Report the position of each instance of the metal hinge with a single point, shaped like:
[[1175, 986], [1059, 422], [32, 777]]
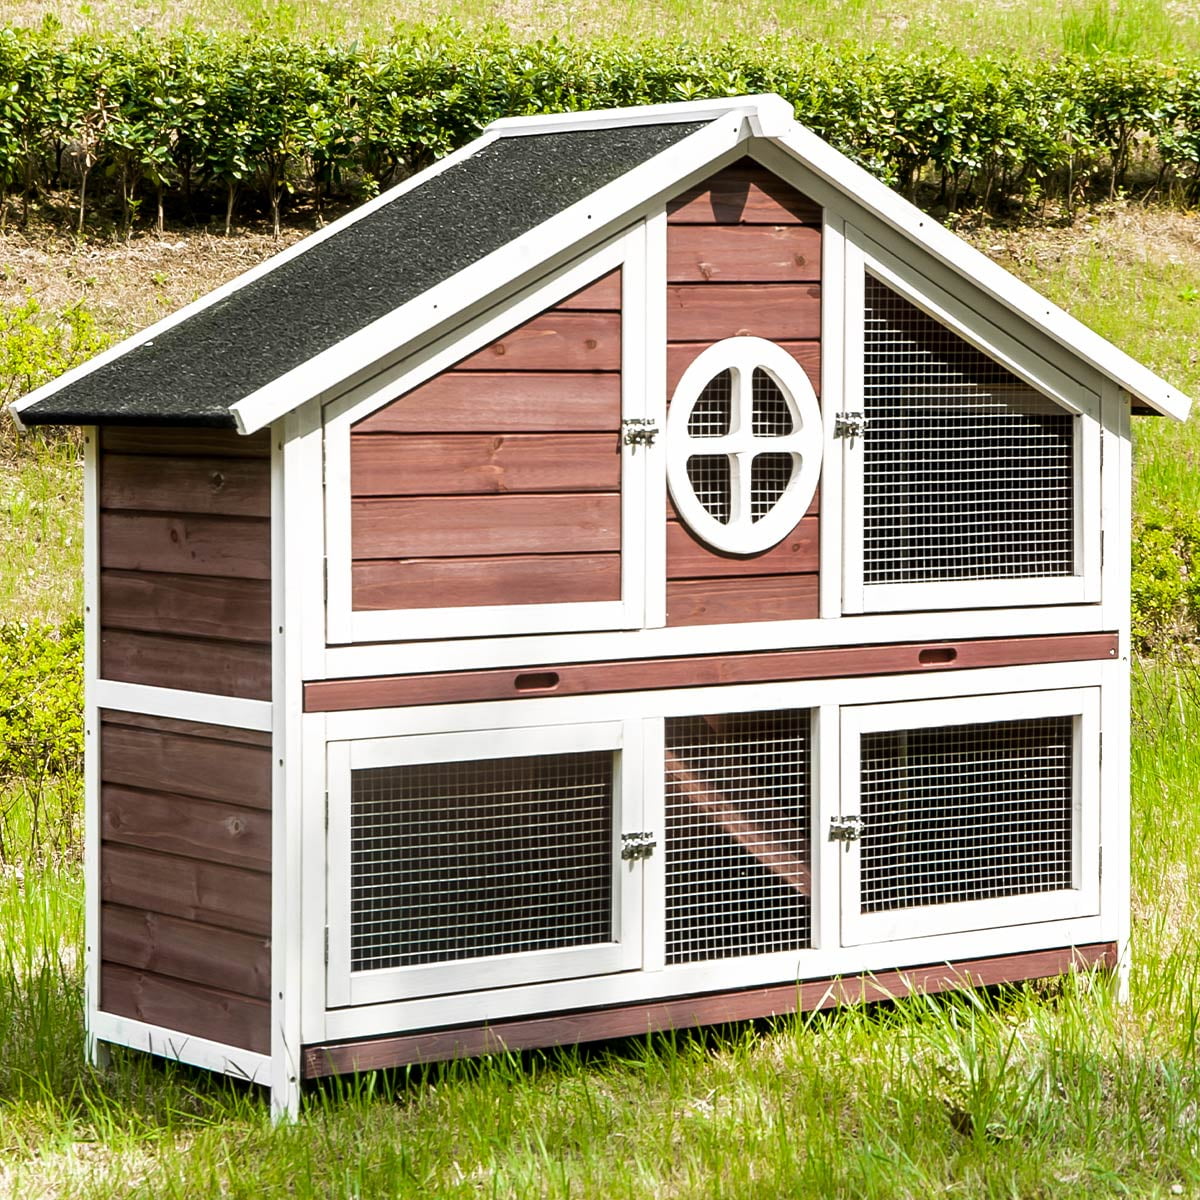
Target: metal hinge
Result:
[[845, 829], [639, 431], [849, 425], [637, 845]]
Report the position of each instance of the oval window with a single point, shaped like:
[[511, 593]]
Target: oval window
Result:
[[743, 445]]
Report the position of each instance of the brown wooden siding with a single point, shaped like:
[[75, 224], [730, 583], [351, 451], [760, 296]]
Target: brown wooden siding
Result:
[[498, 481], [743, 257], [185, 555], [185, 876]]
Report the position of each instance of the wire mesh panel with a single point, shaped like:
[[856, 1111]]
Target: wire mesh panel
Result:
[[966, 812], [771, 415], [738, 794], [462, 860], [968, 473], [712, 413]]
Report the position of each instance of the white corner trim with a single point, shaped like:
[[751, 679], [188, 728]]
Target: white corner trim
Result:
[[991, 278], [182, 1047], [232, 711], [596, 216], [255, 273], [764, 110]]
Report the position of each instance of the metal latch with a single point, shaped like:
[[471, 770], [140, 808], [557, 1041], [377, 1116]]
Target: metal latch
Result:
[[639, 431], [637, 845], [849, 425], [846, 829]]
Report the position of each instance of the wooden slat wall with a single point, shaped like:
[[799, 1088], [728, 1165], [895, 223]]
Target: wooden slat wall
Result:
[[185, 877], [498, 481], [743, 257], [185, 553]]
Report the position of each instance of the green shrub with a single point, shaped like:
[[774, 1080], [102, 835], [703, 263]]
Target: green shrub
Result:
[[1166, 583]]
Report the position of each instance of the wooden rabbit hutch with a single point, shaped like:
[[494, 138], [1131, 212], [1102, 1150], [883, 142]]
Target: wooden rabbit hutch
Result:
[[640, 572]]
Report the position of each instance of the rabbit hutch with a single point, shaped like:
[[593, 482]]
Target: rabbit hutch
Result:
[[640, 572]]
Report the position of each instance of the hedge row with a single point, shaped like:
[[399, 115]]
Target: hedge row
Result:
[[197, 121]]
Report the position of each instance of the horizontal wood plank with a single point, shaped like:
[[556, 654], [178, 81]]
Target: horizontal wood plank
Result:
[[238, 547], [602, 296], [232, 486], [465, 464], [554, 341], [708, 312], [690, 558], [186, 766], [192, 664], [220, 733], [212, 1013], [503, 402], [470, 582], [681, 355], [189, 605], [199, 829], [575, 679], [184, 443], [211, 893], [743, 254], [637, 1020], [743, 192], [747, 598], [152, 941], [450, 526]]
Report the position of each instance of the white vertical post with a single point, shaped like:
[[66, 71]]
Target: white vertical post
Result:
[[826, 804], [833, 401]]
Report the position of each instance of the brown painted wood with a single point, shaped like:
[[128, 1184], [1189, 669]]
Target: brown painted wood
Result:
[[451, 526], [184, 443], [637, 1020], [465, 464], [680, 356], [163, 483], [211, 893], [186, 766], [221, 733], [239, 547], [470, 582], [602, 296], [748, 598], [743, 254], [189, 605], [814, 506], [213, 1013], [706, 312], [151, 941], [393, 691], [503, 402], [200, 829], [192, 664], [554, 341], [689, 558], [743, 192]]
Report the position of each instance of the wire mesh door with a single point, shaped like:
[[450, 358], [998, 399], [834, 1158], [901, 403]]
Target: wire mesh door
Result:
[[968, 813], [469, 861]]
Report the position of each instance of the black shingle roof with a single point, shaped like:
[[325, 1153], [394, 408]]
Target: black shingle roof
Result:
[[191, 373]]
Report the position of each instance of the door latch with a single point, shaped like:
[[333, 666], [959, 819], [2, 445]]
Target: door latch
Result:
[[846, 829], [638, 431], [637, 845], [849, 425]]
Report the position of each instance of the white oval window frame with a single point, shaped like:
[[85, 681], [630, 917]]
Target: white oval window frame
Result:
[[741, 356]]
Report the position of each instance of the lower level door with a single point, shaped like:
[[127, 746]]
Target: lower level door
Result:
[[968, 813], [483, 859]]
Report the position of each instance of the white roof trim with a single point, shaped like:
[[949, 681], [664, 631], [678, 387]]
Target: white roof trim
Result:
[[599, 213], [143, 336], [991, 278]]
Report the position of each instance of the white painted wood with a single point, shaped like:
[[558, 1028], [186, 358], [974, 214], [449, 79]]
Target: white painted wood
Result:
[[97, 1054], [826, 896], [436, 311], [850, 458], [524, 652], [653, 820], [1083, 899], [622, 953], [314, 865], [653, 283], [233, 711], [345, 624], [179, 1047], [833, 400], [741, 532]]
